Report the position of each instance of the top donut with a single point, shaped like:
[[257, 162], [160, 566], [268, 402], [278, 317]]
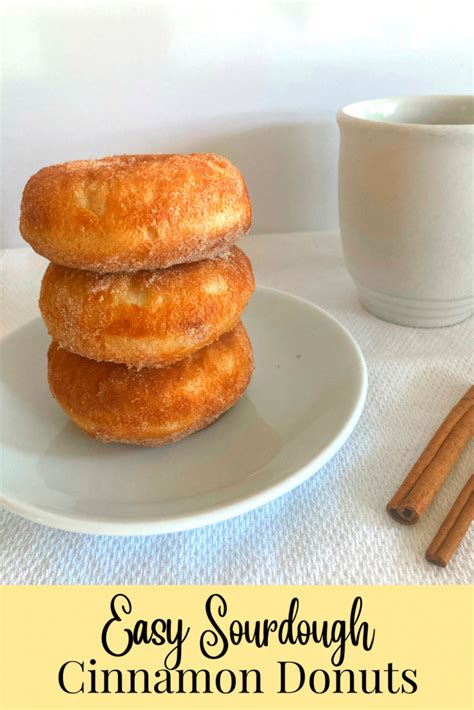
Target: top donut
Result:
[[130, 212]]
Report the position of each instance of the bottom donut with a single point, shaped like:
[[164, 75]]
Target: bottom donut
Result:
[[151, 406]]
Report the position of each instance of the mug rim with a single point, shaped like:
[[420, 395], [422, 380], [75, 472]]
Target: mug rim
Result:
[[344, 117]]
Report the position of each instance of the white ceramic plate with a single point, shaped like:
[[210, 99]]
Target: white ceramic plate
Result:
[[306, 395]]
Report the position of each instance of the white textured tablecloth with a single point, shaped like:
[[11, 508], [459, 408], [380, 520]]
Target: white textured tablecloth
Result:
[[333, 529]]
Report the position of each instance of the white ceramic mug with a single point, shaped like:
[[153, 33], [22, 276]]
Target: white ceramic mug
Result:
[[406, 206]]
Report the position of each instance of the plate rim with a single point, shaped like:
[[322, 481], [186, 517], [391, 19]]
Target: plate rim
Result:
[[219, 512]]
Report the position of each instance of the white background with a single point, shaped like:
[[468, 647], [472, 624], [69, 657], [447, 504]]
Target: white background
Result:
[[259, 82]]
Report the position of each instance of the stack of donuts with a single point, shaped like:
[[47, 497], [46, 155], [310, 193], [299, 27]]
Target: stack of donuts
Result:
[[144, 291]]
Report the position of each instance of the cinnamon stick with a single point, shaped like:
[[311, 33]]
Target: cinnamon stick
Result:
[[453, 529], [432, 468]]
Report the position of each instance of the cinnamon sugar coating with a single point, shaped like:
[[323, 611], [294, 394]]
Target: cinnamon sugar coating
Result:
[[146, 318], [131, 212], [151, 406]]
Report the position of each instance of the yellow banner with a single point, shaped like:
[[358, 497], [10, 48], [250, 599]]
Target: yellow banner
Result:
[[236, 647]]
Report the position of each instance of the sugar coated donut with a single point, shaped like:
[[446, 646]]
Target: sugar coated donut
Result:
[[151, 406], [130, 212], [146, 317]]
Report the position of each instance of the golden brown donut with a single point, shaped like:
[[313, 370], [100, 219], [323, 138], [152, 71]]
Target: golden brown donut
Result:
[[130, 212], [151, 406], [146, 317]]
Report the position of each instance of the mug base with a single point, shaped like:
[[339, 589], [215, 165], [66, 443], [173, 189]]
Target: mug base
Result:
[[415, 313]]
